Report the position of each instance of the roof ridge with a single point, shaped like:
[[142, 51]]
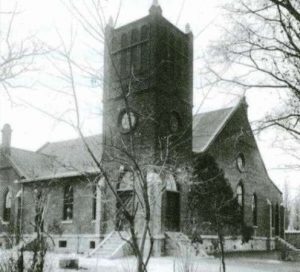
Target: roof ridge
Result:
[[65, 141], [210, 111], [224, 122]]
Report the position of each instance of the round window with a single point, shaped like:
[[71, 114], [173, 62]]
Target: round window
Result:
[[240, 162], [127, 121]]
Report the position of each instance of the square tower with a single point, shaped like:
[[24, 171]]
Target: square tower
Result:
[[148, 90]]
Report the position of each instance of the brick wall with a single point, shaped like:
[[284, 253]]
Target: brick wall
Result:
[[237, 138], [82, 222]]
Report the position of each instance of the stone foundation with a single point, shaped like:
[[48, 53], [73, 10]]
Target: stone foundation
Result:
[[210, 243]]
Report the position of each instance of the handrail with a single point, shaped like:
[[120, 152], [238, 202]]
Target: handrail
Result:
[[287, 244], [101, 244], [121, 245]]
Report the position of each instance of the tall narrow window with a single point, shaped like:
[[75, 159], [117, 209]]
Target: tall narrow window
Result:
[[254, 210], [134, 50], [68, 203], [240, 197], [277, 219], [172, 55], [114, 44], [39, 210], [94, 208], [7, 206], [273, 216], [144, 33], [144, 48], [124, 45]]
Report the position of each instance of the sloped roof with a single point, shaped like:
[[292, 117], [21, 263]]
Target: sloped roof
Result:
[[30, 164], [71, 157], [206, 126], [56, 160]]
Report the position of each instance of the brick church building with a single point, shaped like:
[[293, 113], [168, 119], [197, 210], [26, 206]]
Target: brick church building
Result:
[[148, 103]]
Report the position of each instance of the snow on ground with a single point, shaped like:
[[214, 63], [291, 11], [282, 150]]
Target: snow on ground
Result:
[[170, 264]]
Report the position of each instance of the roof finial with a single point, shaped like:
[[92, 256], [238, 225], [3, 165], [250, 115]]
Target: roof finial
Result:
[[155, 9], [111, 21], [188, 28], [155, 3]]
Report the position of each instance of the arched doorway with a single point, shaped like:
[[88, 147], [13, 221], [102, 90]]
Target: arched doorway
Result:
[[172, 205], [125, 192]]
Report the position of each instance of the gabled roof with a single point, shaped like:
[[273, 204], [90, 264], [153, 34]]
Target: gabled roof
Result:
[[207, 126], [30, 164], [71, 157], [56, 160]]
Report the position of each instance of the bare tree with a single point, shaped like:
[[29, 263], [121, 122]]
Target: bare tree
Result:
[[262, 46], [17, 54], [137, 207]]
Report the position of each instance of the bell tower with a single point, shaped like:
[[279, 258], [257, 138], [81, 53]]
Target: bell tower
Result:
[[148, 89]]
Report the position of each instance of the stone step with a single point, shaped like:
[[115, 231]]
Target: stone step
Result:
[[113, 242]]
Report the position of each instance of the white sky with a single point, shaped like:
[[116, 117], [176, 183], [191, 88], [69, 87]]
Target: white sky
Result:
[[46, 18]]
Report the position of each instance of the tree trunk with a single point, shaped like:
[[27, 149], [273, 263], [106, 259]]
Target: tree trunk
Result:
[[221, 241]]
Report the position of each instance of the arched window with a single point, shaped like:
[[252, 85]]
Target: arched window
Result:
[[144, 48], [68, 203], [39, 210], [172, 54], [240, 197], [273, 215], [134, 36], [114, 44], [178, 58], [7, 206], [277, 218], [94, 208], [124, 45], [254, 210], [126, 195], [144, 32], [134, 50]]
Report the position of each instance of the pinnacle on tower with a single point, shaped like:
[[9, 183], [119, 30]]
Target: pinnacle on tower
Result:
[[110, 21], [155, 9], [188, 28], [155, 3]]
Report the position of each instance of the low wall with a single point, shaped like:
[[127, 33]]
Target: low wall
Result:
[[293, 237], [210, 243]]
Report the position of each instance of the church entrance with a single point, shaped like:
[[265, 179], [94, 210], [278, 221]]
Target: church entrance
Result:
[[172, 218], [171, 204], [126, 197]]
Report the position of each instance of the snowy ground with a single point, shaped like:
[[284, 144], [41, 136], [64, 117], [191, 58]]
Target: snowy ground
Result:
[[171, 264]]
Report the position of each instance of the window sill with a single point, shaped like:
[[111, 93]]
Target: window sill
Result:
[[67, 221], [255, 227], [93, 221], [5, 223]]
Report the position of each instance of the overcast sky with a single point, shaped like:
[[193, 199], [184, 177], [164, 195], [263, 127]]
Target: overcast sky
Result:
[[49, 19]]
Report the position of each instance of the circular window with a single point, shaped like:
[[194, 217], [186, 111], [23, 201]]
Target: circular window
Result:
[[127, 121], [174, 122], [240, 162]]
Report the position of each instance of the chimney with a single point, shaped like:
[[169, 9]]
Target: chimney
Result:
[[6, 138]]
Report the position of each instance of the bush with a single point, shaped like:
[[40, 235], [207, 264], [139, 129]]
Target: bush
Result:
[[9, 265]]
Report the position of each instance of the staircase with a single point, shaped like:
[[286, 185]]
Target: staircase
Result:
[[179, 244], [113, 246], [288, 251]]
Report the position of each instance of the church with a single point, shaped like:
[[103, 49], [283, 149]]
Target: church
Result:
[[148, 124]]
